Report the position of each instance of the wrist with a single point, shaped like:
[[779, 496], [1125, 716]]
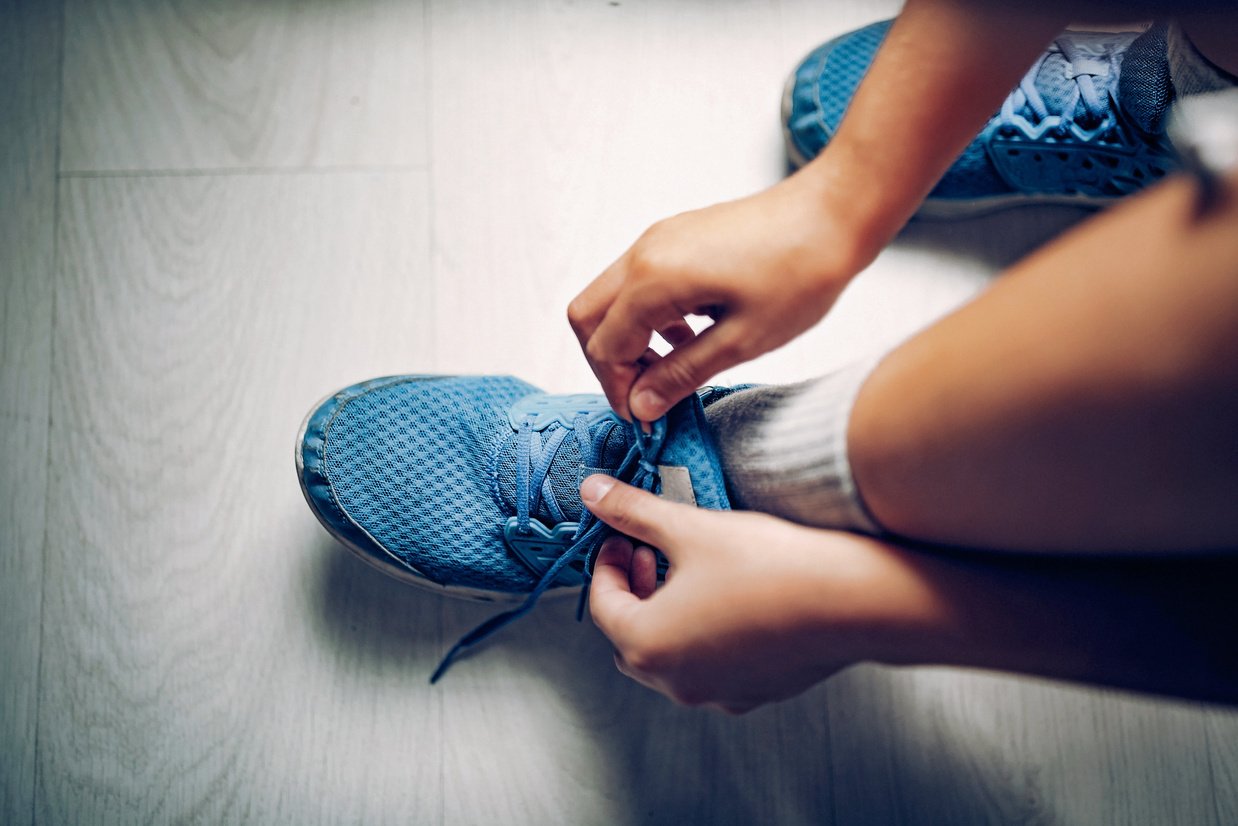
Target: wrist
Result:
[[866, 600], [828, 240], [1149, 624], [906, 619], [918, 607], [864, 217]]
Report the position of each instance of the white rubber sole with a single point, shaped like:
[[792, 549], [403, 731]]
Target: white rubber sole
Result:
[[793, 153]]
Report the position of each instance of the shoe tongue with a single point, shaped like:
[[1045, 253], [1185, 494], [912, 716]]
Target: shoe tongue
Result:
[[688, 461], [1078, 54], [1144, 88], [567, 469]]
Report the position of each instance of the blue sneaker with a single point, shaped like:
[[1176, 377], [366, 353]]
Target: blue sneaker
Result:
[[1083, 127], [469, 485]]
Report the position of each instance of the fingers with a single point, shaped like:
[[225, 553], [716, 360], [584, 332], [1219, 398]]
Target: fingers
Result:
[[610, 594], [618, 368], [624, 568], [625, 330], [677, 333], [586, 311], [584, 314], [623, 336], [643, 574], [612, 603], [617, 381], [614, 320], [639, 514], [680, 372]]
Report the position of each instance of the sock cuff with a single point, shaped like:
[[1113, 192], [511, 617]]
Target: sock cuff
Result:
[[785, 451]]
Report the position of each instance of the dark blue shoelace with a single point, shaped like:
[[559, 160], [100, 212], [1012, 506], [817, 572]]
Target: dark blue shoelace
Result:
[[533, 461]]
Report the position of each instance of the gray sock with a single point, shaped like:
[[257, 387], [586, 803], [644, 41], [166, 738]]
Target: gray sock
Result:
[[784, 449]]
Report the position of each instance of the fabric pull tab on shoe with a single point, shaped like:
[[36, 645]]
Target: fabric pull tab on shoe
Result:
[[676, 484]]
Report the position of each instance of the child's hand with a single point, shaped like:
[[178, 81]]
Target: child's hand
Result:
[[755, 609], [765, 268]]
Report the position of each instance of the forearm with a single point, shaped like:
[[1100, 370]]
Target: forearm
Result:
[[941, 73], [1163, 626], [1087, 400]]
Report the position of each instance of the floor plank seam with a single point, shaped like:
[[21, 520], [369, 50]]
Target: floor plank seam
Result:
[[53, 173], [1212, 775], [432, 257], [427, 24]]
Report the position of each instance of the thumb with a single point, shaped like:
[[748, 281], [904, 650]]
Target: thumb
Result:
[[684, 369], [638, 513]]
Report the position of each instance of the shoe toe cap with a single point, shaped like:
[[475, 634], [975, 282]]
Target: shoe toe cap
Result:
[[823, 84], [399, 469]]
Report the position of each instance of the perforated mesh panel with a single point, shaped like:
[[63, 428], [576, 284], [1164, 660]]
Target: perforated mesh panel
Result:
[[1144, 86], [690, 445], [844, 67], [825, 82], [412, 463]]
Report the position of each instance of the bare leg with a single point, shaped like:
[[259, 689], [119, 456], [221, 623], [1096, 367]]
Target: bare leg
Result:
[[1087, 401]]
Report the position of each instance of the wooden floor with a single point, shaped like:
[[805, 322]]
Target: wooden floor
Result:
[[213, 213]]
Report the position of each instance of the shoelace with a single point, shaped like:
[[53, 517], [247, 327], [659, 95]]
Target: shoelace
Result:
[[533, 460], [1084, 66]]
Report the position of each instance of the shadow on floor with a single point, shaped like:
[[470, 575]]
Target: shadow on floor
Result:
[[996, 240], [370, 617], [660, 763]]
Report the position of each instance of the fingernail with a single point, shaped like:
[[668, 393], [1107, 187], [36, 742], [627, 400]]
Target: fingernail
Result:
[[595, 487], [650, 403]]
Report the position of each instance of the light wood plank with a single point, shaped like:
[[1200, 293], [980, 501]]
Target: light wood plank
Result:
[[1221, 728], [939, 746], [1111, 757], [30, 99], [23, 492], [167, 85], [925, 747], [211, 655], [540, 727]]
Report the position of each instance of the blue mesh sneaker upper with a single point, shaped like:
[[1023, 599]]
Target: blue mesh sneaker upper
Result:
[[1082, 127], [470, 484]]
